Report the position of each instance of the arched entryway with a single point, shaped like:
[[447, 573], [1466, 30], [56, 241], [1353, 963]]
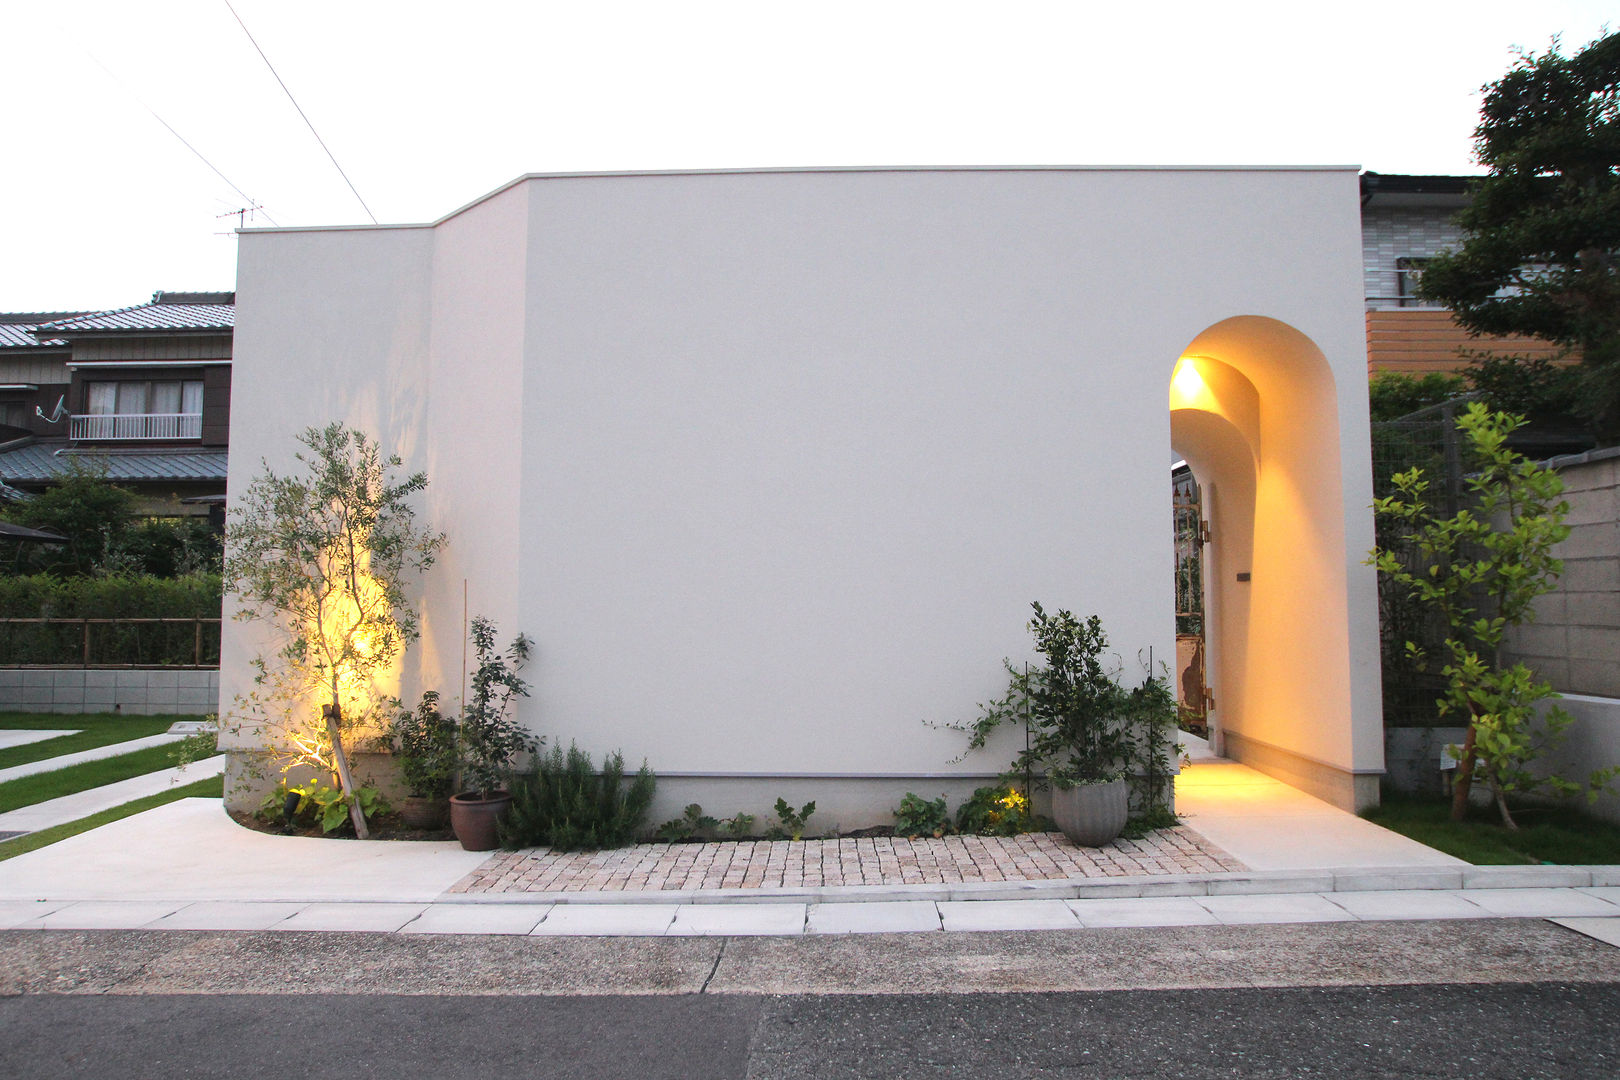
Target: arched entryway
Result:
[[1254, 413]]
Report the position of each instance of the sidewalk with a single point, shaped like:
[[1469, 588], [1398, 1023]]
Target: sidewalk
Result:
[[187, 866]]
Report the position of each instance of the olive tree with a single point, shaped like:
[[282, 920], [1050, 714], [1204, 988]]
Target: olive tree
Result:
[[324, 555]]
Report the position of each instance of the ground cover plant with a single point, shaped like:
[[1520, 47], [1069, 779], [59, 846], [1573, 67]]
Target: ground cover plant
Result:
[[211, 788], [93, 730], [1544, 835]]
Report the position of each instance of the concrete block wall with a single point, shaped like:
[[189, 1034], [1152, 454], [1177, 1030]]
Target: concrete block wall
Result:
[[1574, 642], [137, 692], [1392, 232]]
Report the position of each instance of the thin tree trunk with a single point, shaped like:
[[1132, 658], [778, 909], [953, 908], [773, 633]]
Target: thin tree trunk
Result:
[[1501, 804], [339, 755], [1464, 781]]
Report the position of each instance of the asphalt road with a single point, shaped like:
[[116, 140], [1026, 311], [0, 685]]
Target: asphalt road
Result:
[[1476, 999], [1482, 1032]]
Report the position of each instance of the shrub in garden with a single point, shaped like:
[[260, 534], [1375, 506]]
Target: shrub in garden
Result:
[[563, 803]]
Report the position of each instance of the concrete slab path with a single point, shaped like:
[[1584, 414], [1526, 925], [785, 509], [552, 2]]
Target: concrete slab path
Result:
[[1267, 825], [10, 737], [26, 819], [33, 768]]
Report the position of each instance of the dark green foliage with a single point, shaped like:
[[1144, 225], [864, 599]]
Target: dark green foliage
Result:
[[1542, 232], [790, 822], [82, 507], [1544, 393], [490, 739], [738, 827], [169, 547], [918, 816], [43, 596], [996, 810], [693, 824], [1392, 395], [563, 803], [425, 749], [1083, 726], [319, 804]]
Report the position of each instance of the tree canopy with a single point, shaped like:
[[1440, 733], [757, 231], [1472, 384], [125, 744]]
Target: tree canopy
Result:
[[1542, 232]]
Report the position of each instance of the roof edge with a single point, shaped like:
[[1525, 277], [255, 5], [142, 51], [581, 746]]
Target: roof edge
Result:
[[805, 169]]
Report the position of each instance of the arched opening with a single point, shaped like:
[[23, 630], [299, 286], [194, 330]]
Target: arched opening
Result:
[[1255, 415]]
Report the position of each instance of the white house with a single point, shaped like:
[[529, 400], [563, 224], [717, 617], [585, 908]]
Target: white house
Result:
[[770, 464]]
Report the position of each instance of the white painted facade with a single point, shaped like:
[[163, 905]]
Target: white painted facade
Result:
[[771, 464]]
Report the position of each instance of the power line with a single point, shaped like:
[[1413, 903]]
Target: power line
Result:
[[170, 128], [295, 105]]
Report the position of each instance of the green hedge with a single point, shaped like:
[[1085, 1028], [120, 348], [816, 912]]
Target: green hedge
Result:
[[42, 596]]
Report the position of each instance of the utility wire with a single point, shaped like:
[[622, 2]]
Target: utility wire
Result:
[[170, 127], [295, 105]]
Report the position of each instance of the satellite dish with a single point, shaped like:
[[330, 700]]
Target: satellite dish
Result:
[[56, 416]]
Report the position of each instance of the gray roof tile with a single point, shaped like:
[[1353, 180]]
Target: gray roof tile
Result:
[[46, 460], [152, 317]]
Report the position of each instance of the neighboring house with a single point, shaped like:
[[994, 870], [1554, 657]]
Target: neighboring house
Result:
[[1405, 220], [770, 464], [142, 394]]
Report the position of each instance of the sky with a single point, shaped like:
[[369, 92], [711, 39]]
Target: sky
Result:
[[427, 106]]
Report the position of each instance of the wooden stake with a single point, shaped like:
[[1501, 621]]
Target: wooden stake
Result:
[[331, 714]]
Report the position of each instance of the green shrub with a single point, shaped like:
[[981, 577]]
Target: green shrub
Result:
[[563, 803], [42, 596], [998, 810], [918, 816]]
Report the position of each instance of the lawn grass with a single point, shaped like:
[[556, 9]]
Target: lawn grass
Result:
[[94, 729], [28, 790], [211, 788], [1545, 835]]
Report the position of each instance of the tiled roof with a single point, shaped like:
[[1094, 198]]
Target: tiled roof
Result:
[[20, 336], [152, 317], [46, 460]]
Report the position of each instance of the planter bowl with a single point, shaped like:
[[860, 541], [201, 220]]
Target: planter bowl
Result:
[[1092, 815], [473, 818], [422, 813]]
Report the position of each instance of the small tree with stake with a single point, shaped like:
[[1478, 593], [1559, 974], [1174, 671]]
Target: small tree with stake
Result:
[[1482, 569], [324, 555]]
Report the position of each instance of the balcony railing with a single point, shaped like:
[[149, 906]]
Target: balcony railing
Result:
[[137, 426]]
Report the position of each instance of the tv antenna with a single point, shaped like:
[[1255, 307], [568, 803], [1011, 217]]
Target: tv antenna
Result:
[[55, 417], [241, 214]]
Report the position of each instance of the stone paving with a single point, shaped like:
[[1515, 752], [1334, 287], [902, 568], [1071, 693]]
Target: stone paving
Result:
[[761, 864]]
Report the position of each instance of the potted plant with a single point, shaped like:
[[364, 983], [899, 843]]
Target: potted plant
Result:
[[424, 745], [1081, 722], [489, 739]]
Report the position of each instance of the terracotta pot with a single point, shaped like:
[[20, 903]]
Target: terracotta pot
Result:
[[1091, 815], [473, 818], [426, 814]]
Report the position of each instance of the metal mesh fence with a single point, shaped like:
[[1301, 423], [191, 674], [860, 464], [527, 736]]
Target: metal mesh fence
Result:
[[1428, 440]]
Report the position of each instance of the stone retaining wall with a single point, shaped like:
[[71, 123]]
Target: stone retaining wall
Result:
[[138, 692]]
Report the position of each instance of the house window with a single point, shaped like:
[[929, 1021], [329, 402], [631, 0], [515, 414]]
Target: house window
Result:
[[143, 397], [1408, 268], [141, 409]]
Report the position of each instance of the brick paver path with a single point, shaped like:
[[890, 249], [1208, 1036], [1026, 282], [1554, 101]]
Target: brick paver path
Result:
[[763, 864]]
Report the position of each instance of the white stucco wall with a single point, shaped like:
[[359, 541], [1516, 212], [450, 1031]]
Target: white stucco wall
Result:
[[771, 464]]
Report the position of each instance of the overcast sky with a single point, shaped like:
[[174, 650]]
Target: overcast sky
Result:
[[428, 105]]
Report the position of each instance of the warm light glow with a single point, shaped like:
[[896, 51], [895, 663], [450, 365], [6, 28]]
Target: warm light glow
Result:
[[1187, 383]]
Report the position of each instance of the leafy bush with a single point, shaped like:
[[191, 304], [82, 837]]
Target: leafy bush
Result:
[[43, 596], [424, 745], [318, 803], [918, 816], [790, 822], [693, 824], [563, 803], [997, 810], [490, 739]]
